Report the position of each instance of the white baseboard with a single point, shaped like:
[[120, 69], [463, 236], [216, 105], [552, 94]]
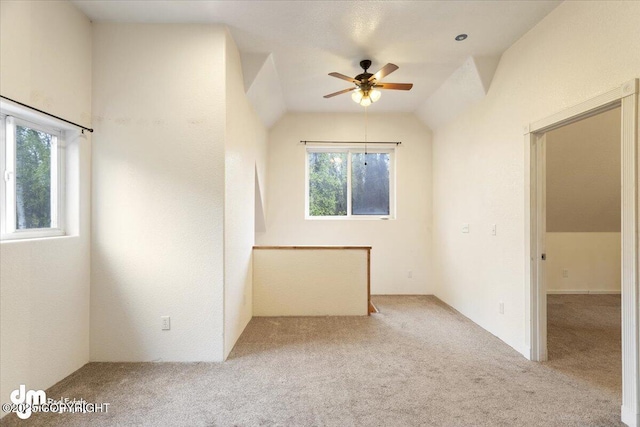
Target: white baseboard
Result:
[[581, 292], [629, 417]]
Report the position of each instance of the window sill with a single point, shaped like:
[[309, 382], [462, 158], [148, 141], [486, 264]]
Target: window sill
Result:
[[350, 218], [32, 235]]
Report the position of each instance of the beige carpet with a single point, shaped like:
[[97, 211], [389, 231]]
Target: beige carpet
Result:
[[585, 340], [417, 363]]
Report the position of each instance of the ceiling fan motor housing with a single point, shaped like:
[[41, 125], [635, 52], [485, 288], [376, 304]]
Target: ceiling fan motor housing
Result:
[[364, 77]]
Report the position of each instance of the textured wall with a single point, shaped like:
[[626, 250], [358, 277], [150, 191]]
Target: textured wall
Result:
[[580, 50], [158, 192], [307, 282], [592, 262], [44, 283], [245, 140], [583, 175], [399, 245]]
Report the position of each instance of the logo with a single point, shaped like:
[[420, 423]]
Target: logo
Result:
[[25, 400]]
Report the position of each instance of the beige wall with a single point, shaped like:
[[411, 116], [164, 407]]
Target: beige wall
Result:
[[399, 245], [174, 182], [158, 191], [45, 61], [310, 282], [245, 153], [583, 206], [580, 50], [583, 262], [583, 175]]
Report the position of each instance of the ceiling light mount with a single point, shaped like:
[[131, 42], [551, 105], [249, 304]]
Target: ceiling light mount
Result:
[[461, 37]]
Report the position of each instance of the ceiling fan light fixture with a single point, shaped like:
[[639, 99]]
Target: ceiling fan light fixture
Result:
[[375, 95], [357, 96], [366, 101]]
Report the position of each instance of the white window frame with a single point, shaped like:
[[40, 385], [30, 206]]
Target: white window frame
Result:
[[388, 149], [8, 230]]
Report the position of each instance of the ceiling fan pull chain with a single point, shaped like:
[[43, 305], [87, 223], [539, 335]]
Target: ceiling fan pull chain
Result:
[[366, 121]]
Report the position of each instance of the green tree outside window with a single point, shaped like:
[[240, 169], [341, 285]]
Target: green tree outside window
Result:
[[33, 178]]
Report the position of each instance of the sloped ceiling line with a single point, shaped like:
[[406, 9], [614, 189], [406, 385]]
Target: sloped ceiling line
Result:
[[462, 89], [262, 85]]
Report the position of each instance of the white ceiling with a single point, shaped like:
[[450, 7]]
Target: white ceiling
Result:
[[309, 39]]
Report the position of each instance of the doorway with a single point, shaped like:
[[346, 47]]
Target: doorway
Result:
[[625, 97], [583, 251]]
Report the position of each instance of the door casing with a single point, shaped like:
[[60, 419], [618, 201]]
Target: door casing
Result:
[[626, 97]]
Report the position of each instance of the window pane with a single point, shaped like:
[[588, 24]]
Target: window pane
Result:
[[370, 184], [327, 184], [33, 178]]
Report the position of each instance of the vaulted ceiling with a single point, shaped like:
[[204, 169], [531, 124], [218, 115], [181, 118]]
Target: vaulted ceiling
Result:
[[289, 47]]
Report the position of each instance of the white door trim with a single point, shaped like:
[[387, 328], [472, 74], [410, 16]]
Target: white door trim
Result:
[[625, 96]]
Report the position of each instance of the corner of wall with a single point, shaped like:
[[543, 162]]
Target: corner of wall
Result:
[[245, 141]]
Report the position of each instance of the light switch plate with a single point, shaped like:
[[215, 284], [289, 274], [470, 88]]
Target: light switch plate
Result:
[[166, 323]]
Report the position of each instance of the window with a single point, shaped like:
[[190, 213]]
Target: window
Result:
[[31, 201], [347, 183]]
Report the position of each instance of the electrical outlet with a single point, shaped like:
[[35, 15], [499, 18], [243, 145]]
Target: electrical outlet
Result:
[[565, 273], [410, 274], [166, 323], [501, 307]]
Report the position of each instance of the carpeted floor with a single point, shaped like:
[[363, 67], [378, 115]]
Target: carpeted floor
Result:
[[418, 362], [585, 340]]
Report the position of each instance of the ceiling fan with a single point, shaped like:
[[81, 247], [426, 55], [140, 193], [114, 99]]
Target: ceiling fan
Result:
[[366, 84]]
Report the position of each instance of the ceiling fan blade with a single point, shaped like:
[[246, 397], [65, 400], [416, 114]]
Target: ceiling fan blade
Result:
[[394, 86], [384, 71], [331, 95], [343, 77]]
